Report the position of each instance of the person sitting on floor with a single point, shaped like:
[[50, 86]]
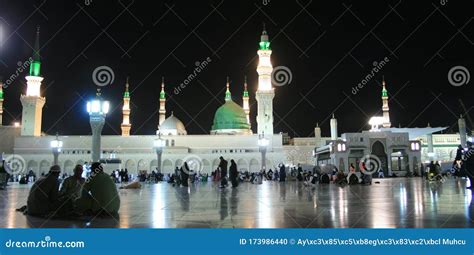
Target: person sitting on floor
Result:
[[43, 196], [99, 193], [72, 186]]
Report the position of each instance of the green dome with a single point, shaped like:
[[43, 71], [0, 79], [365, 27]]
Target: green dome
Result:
[[230, 116]]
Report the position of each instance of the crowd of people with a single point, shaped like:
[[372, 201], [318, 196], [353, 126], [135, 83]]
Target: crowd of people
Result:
[[95, 192], [76, 196]]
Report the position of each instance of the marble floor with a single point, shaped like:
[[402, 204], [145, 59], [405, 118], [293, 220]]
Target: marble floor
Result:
[[391, 203]]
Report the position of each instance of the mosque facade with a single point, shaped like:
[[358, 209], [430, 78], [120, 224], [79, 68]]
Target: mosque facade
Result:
[[230, 136]]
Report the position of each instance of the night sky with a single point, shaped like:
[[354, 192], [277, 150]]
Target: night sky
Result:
[[329, 46]]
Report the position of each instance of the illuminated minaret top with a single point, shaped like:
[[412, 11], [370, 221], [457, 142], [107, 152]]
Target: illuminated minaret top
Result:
[[385, 110], [228, 95], [34, 78], [162, 110], [264, 67], [126, 126], [245, 99], [265, 92], [32, 102]]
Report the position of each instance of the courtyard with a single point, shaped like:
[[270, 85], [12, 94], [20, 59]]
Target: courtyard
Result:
[[388, 203]]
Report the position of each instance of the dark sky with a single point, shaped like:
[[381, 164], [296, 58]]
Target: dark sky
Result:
[[329, 46]]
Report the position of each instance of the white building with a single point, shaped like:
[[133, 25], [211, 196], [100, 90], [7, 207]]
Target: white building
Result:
[[230, 136]]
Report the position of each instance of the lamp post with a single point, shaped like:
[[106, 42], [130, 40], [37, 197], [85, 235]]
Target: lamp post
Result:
[[56, 146], [97, 109], [262, 145], [158, 144]]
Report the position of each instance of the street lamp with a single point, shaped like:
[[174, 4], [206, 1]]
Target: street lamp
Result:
[[97, 109], [56, 146], [262, 145], [158, 144]]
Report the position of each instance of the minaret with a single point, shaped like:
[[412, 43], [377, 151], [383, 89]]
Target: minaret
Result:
[[228, 95], [333, 124], [317, 135], [265, 92], [245, 99], [126, 126], [386, 115], [32, 102], [162, 103], [1, 103]]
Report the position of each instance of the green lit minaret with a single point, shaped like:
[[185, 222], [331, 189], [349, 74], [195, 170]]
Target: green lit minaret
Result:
[[162, 110], [386, 114], [264, 43], [126, 125], [32, 102], [35, 66], [228, 96], [245, 100]]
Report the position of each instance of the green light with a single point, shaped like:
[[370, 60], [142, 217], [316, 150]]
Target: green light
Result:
[[264, 45], [126, 94], [35, 67], [246, 93], [1, 93], [162, 94], [384, 93]]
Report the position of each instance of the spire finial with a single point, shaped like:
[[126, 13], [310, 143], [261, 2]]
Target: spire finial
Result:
[[317, 124], [227, 92], [98, 92], [162, 92], [264, 42], [333, 116], [246, 93], [126, 94], [428, 125], [35, 65]]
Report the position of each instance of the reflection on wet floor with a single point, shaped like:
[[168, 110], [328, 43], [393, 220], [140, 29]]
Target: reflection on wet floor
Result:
[[394, 203]]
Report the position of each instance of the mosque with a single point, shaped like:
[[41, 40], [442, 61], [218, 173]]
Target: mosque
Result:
[[230, 136]]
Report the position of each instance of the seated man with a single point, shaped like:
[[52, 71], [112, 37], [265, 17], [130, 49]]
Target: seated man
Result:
[[99, 193], [43, 197], [72, 185]]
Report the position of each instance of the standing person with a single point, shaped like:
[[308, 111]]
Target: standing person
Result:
[[99, 193], [223, 171], [282, 173], [185, 174], [43, 197], [233, 174], [469, 161]]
